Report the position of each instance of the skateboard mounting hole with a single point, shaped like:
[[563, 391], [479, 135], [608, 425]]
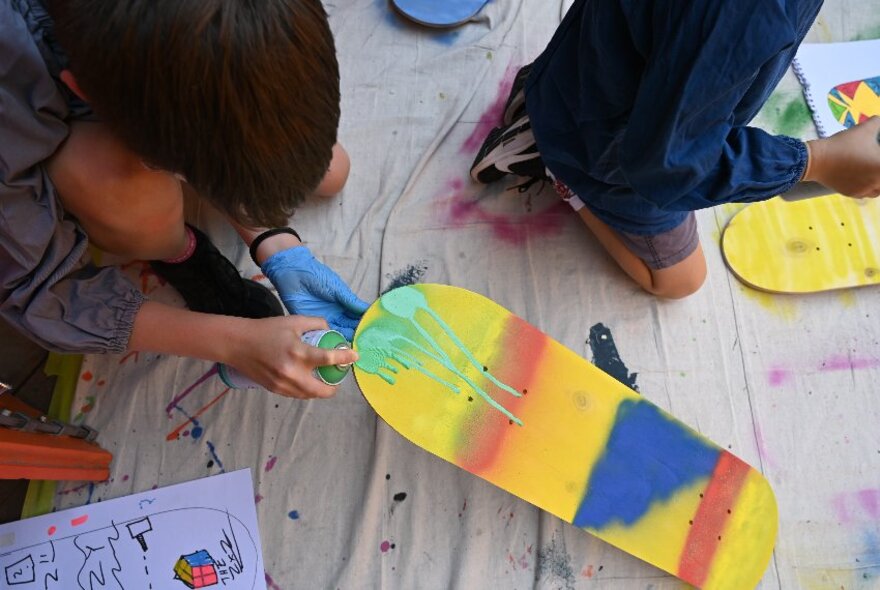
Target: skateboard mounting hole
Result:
[[470, 398], [485, 369], [810, 227], [870, 272], [525, 391], [818, 248]]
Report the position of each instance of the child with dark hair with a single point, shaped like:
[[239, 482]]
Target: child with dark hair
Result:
[[110, 112], [638, 112]]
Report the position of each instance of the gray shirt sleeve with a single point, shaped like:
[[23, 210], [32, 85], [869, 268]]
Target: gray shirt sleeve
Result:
[[48, 289]]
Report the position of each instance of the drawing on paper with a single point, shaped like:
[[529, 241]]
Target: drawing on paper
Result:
[[201, 534], [855, 102], [196, 570]]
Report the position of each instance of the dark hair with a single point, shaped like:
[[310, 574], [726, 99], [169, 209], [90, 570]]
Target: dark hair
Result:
[[239, 96]]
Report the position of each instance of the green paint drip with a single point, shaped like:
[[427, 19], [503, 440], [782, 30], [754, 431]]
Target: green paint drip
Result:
[[404, 303], [389, 339]]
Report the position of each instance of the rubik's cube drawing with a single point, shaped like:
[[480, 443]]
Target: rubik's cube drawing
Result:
[[855, 102], [196, 570]]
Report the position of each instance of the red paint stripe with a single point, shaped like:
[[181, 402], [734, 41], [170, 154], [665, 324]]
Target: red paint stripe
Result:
[[521, 348], [714, 511], [79, 520]]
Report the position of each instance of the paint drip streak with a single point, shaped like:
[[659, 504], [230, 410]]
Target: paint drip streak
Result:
[[192, 419], [712, 515]]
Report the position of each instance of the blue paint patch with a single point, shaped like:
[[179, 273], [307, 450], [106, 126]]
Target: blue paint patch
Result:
[[293, 515], [647, 459], [216, 458], [197, 432], [869, 560]]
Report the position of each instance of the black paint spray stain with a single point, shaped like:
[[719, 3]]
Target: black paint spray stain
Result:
[[606, 357], [554, 562], [410, 275]]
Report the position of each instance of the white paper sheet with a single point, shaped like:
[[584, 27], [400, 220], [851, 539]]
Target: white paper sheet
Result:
[[199, 534]]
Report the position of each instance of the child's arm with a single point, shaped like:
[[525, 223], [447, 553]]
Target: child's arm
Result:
[[848, 162], [687, 145], [269, 351]]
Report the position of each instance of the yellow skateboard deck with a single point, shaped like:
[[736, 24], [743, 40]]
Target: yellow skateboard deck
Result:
[[805, 246], [466, 380]]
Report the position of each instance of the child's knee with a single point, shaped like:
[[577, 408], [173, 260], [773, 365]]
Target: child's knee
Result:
[[683, 288], [682, 279]]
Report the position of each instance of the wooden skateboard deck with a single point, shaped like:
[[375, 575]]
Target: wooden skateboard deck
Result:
[[439, 13], [805, 246], [463, 378]]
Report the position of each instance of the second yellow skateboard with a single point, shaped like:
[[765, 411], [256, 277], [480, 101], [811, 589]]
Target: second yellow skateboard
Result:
[[805, 246]]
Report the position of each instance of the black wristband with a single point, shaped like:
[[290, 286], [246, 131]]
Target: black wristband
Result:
[[268, 234]]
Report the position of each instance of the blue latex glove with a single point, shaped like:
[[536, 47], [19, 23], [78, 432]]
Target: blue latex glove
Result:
[[308, 287]]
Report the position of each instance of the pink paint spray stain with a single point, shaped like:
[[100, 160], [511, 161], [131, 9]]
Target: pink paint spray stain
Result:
[[464, 208], [386, 546], [270, 464], [492, 116]]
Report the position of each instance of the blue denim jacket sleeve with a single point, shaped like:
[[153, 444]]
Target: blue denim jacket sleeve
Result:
[[686, 145], [642, 107], [48, 290]]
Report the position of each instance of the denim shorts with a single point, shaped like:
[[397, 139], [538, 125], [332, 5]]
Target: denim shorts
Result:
[[664, 249]]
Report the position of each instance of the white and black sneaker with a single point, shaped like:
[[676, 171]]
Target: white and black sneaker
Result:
[[509, 150]]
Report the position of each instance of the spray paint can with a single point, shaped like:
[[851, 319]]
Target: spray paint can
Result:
[[329, 374]]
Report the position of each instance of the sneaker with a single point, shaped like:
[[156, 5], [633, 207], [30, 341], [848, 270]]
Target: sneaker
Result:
[[515, 107], [210, 283], [509, 150]]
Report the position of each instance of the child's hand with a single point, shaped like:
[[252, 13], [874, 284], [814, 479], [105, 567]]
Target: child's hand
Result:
[[848, 162], [273, 355], [308, 287]]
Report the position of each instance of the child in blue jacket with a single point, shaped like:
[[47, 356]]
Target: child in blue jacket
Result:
[[638, 112]]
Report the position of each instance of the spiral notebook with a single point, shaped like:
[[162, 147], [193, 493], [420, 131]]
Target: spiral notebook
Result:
[[841, 82]]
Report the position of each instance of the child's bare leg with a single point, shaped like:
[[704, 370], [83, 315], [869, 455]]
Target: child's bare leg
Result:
[[674, 282], [337, 173], [125, 208]]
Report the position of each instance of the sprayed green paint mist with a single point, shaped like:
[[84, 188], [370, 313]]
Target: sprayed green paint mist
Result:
[[786, 115], [399, 337]]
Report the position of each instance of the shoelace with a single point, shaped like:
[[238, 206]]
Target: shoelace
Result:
[[527, 184]]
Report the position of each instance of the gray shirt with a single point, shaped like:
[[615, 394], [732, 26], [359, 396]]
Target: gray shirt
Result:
[[49, 290]]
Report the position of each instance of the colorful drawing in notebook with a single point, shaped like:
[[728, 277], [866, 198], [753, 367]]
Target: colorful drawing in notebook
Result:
[[587, 448], [855, 102]]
